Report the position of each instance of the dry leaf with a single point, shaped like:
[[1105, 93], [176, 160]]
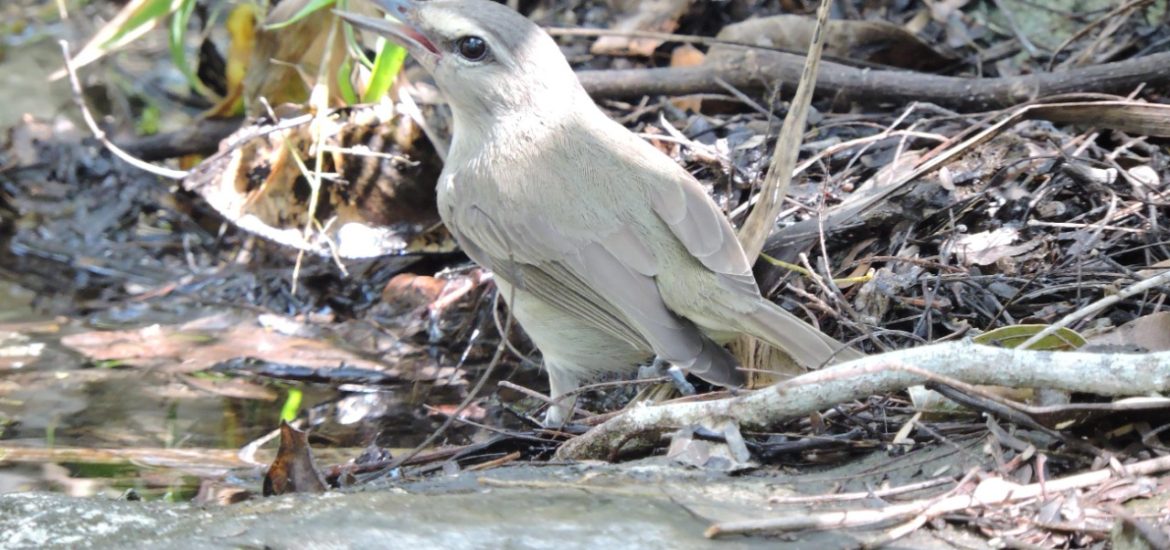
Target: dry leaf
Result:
[[686, 55], [1150, 332], [730, 455], [293, 470], [377, 187]]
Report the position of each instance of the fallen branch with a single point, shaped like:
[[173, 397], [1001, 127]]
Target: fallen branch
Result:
[[642, 427], [756, 69]]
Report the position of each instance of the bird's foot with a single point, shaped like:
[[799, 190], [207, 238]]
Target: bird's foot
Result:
[[661, 368]]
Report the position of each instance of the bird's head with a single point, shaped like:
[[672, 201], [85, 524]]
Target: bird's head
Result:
[[490, 62]]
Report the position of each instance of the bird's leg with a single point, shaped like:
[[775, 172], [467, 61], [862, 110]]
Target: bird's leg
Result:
[[561, 381], [660, 368]]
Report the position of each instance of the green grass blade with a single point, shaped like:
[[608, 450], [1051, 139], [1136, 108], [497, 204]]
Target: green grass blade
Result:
[[345, 83], [292, 405], [176, 40], [148, 12], [387, 65]]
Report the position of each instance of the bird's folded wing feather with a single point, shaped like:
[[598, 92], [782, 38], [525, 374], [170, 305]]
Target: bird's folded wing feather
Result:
[[702, 228], [607, 280]]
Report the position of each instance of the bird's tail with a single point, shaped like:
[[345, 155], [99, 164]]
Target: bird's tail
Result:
[[717, 366], [808, 346]]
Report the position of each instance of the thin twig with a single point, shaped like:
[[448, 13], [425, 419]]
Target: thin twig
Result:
[[880, 493], [99, 134]]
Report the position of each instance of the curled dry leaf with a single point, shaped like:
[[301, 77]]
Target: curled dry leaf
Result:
[[377, 184], [408, 291], [728, 455], [288, 52], [1157, 268], [687, 55], [293, 470]]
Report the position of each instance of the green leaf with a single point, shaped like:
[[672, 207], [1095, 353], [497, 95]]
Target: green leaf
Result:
[[387, 65], [1010, 337], [306, 11]]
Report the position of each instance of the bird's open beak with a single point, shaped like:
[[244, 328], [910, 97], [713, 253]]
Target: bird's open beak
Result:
[[404, 29]]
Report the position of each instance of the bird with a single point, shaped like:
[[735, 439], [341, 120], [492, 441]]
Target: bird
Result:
[[608, 252]]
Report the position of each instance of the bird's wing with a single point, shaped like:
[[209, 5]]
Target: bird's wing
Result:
[[698, 224], [680, 201], [548, 280], [607, 280]]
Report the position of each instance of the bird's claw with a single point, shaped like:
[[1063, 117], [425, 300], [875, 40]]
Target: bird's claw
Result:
[[660, 368]]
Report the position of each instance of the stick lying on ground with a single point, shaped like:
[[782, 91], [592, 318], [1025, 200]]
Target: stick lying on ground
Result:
[[1100, 374], [751, 69], [754, 69]]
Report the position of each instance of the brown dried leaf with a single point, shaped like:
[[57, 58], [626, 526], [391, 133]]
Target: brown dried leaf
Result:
[[235, 388], [408, 291], [686, 55], [1157, 268], [293, 470], [1137, 117], [286, 60], [1150, 332], [220, 493], [381, 200]]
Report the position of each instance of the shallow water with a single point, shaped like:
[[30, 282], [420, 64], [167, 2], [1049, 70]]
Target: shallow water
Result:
[[59, 409]]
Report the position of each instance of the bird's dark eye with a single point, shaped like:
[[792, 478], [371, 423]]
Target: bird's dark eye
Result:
[[471, 48]]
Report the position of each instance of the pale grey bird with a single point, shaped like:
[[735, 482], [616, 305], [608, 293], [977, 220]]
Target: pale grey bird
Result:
[[611, 252]]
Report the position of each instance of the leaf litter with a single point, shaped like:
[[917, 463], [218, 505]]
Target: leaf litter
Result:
[[1027, 225]]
